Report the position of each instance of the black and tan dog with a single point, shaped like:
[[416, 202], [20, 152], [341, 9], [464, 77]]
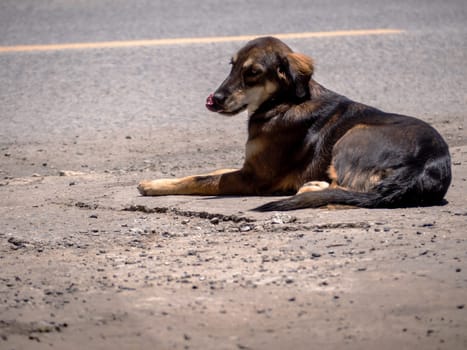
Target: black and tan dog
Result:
[[305, 139]]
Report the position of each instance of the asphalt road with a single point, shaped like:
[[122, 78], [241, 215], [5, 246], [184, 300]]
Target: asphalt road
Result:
[[85, 260], [99, 94]]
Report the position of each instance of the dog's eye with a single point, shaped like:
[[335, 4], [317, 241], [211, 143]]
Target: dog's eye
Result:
[[253, 72]]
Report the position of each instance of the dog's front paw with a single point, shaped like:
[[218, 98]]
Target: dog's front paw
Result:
[[160, 187], [144, 187]]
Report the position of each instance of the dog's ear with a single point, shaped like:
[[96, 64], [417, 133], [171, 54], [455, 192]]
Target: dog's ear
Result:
[[300, 69]]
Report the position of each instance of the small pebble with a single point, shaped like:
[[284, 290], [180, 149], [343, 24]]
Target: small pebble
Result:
[[245, 228]]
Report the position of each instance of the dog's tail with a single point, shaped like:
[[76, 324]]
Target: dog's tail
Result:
[[402, 189], [325, 197]]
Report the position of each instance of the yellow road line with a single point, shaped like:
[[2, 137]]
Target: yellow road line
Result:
[[192, 41]]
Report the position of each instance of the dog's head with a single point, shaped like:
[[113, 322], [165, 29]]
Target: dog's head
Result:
[[263, 70]]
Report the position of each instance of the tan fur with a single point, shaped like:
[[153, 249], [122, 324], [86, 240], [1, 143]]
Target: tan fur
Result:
[[332, 173], [185, 185], [254, 148], [313, 186], [301, 64], [256, 96], [248, 63]]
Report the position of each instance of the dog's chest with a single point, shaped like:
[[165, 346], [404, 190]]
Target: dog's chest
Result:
[[254, 148]]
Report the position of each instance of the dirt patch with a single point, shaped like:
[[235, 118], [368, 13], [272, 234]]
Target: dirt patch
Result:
[[85, 260]]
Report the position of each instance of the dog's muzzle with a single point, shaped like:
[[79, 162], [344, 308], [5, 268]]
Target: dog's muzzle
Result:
[[213, 104], [210, 103]]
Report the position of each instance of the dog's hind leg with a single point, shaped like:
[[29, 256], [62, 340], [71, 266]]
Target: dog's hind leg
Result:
[[313, 186]]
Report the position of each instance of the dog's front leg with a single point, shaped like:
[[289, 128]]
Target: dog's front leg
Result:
[[220, 182]]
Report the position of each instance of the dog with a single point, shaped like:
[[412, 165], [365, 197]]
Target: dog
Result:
[[307, 141]]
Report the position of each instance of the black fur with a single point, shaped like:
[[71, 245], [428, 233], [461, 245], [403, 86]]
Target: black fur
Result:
[[408, 156]]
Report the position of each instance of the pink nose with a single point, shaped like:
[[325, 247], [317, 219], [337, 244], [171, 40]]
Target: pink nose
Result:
[[210, 101], [211, 104]]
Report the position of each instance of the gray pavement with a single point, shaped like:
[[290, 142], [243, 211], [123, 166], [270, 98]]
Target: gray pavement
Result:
[[85, 261]]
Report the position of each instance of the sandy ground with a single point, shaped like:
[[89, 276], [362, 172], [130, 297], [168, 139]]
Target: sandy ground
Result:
[[87, 262]]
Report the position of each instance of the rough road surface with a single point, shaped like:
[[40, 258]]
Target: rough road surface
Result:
[[85, 262]]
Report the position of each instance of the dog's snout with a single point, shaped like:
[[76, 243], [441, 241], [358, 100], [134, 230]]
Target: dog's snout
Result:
[[215, 101], [210, 101], [219, 98], [212, 104]]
